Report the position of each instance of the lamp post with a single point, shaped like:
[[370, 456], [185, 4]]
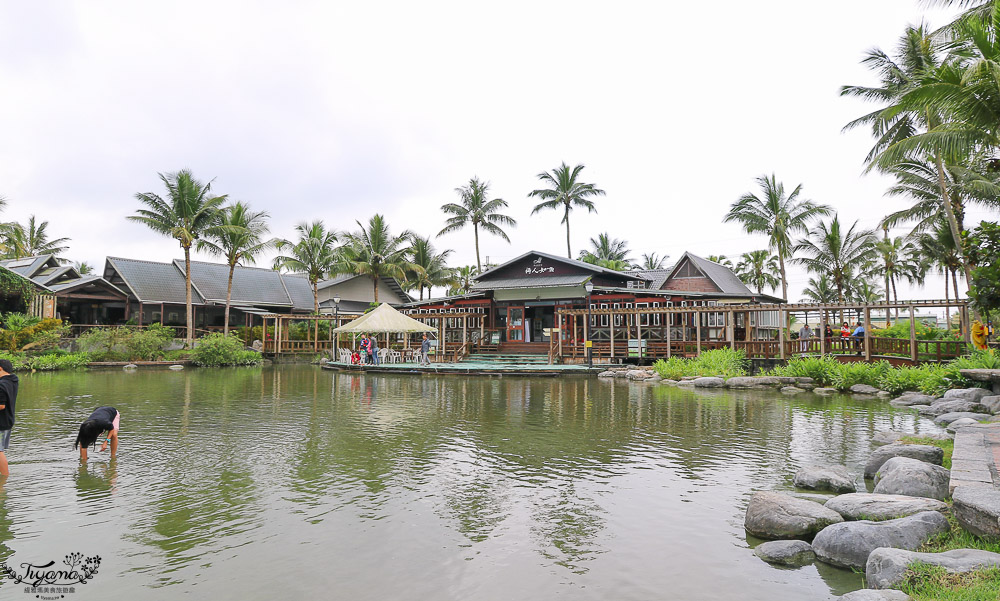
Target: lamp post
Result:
[[589, 287], [336, 320]]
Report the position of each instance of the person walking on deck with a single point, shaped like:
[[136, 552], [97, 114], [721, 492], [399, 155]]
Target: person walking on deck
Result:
[[804, 335], [102, 424], [373, 343], [425, 349], [8, 397]]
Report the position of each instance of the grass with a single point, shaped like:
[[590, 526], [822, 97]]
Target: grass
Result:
[[723, 362], [947, 445], [958, 538], [933, 583]]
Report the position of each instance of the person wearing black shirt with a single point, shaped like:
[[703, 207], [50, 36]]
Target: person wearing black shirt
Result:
[[102, 420], [8, 396]]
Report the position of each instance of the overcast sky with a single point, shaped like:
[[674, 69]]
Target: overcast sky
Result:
[[336, 111]]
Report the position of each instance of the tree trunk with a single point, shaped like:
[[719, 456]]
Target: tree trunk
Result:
[[949, 211], [189, 309], [229, 297], [887, 300], [375, 288], [569, 252], [316, 297], [784, 281], [479, 264], [947, 311], [954, 281]]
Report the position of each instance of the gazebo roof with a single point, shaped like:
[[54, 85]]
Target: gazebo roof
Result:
[[384, 319]]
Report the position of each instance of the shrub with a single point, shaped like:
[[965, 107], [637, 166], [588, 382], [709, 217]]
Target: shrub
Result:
[[820, 369], [49, 362], [217, 349], [849, 374], [718, 362], [126, 344], [18, 360], [24, 331], [901, 329]]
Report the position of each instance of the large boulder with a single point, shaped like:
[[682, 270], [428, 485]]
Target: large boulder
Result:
[[909, 399], [752, 382], [913, 478], [785, 552], [967, 394], [776, 516], [884, 437], [954, 405], [824, 477], [876, 507], [606, 374], [947, 418], [922, 452], [638, 374], [867, 594], [977, 509], [709, 383], [864, 389], [848, 544], [825, 391], [991, 404], [886, 568], [956, 425]]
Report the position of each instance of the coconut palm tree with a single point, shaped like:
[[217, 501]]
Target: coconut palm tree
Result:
[[938, 248], [829, 249], [564, 192], [431, 267], [477, 209], [864, 291], [187, 211], [313, 254], [464, 277], [607, 252], [652, 261], [239, 236], [374, 251], [777, 215], [758, 268], [83, 267], [820, 290], [721, 260], [900, 259], [31, 239]]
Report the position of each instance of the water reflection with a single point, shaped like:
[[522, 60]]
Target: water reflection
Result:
[[466, 487]]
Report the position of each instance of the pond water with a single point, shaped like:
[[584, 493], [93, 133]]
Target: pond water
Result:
[[292, 482]]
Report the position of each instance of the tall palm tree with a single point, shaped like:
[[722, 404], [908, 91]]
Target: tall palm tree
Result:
[[83, 267], [759, 268], [475, 208], [31, 239], [374, 251], [820, 290], [829, 249], [313, 254], [778, 216], [237, 235], [864, 291], [607, 252], [721, 260], [652, 261], [432, 266], [900, 260], [938, 248], [187, 211], [464, 277], [564, 192]]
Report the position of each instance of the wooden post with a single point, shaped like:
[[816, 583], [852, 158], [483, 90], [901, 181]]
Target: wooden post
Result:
[[586, 333], [822, 334], [465, 328], [966, 325], [913, 335], [559, 326], [444, 342], [638, 332], [781, 333], [611, 324], [731, 329], [867, 341], [697, 331], [669, 318]]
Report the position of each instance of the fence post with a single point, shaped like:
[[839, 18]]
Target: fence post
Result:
[[781, 333], [697, 330], [913, 335], [670, 319], [868, 334]]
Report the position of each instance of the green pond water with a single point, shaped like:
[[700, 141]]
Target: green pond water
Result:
[[291, 482]]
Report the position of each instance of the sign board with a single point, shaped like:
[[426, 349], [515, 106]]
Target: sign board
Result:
[[495, 338], [588, 344]]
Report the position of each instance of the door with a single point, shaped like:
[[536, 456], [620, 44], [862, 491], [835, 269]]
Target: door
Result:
[[515, 324]]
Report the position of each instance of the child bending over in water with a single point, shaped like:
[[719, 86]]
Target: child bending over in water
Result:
[[103, 419]]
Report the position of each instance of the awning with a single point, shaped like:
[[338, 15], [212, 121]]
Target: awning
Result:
[[384, 319]]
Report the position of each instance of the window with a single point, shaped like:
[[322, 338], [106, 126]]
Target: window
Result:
[[618, 318], [643, 317], [604, 318]]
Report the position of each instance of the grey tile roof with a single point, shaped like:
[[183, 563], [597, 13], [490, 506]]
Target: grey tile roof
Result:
[[346, 306], [84, 280], [574, 262], [339, 279], [153, 282], [251, 285], [299, 290], [546, 282], [723, 277], [656, 277]]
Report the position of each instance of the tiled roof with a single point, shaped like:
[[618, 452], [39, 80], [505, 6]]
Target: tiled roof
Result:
[[252, 285], [546, 282], [573, 262], [656, 277], [723, 277], [153, 282], [299, 290]]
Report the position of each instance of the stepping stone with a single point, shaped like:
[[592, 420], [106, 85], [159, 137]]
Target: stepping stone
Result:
[[709, 383], [848, 545], [792, 390], [864, 389], [825, 390], [947, 418], [913, 478], [785, 552], [967, 394], [867, 594], [776, 516], [922, 452], [991, 404], [977, 509], [876, 507], [825, 477], [961, 423], [886, 568], [887, 437], [908, 400]]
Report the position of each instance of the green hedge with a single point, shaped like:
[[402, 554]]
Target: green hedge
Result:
[[216, 350], [718, 362]]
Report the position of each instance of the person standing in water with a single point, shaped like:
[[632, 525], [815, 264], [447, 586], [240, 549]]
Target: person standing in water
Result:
[[8, 396], [102, 424]]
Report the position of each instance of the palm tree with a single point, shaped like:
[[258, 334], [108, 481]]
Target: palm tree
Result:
[[828, 249], [900, 259], [31, 240], [607, 252], [865, 291], [474, 208], [758, 268], [721, 260], [313, 254], [184, 215], [938, 248], [563, 191], [237, 235], [820, 290], [464, 276], [778, 216], [374, 251], [431, 266], [652, 261], [83, 267]]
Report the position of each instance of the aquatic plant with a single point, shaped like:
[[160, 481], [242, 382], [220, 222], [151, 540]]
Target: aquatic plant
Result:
[[717, 362]]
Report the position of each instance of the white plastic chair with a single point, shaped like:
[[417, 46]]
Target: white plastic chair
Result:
[[395, 357], [383, 355]]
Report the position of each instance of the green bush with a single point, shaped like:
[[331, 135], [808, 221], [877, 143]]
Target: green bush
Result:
[[22, 332], [901, 329], [821, 369], [126, 344], [18, 360], [50, 362], [718, 362], [217, 349]]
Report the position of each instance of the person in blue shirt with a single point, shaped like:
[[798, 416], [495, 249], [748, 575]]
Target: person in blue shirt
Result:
[[858, 336]]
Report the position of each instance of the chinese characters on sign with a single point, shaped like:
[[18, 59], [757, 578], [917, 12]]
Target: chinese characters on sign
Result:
[[531, 270]]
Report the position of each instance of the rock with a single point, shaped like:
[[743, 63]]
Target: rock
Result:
[[923, 452], [912, 477], [947, 418], [176, 367], [806, 385], [993, 419], [912, 399], [791, 389], [751, 382], [967, 394], [867, 594], [886, 567], [785, 552], [709, 383], [776, 516], [848, 544], [606, 374], [961, 423], [669, 382], [957, 406], [991, 404], [620, 373], [825, 390], [886, 437], [130, 367], [257, 345], [825, 477], [686, 383], [869, 506], [882, 394], [686, 378], [929, 410], [637, 374], [864, 389], [804, 380], [977, 509], [654, 378]]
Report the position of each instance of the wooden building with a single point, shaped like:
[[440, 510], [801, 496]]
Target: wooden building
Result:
[[64, 293]]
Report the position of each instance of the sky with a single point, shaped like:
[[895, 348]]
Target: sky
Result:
[[337, 111]]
